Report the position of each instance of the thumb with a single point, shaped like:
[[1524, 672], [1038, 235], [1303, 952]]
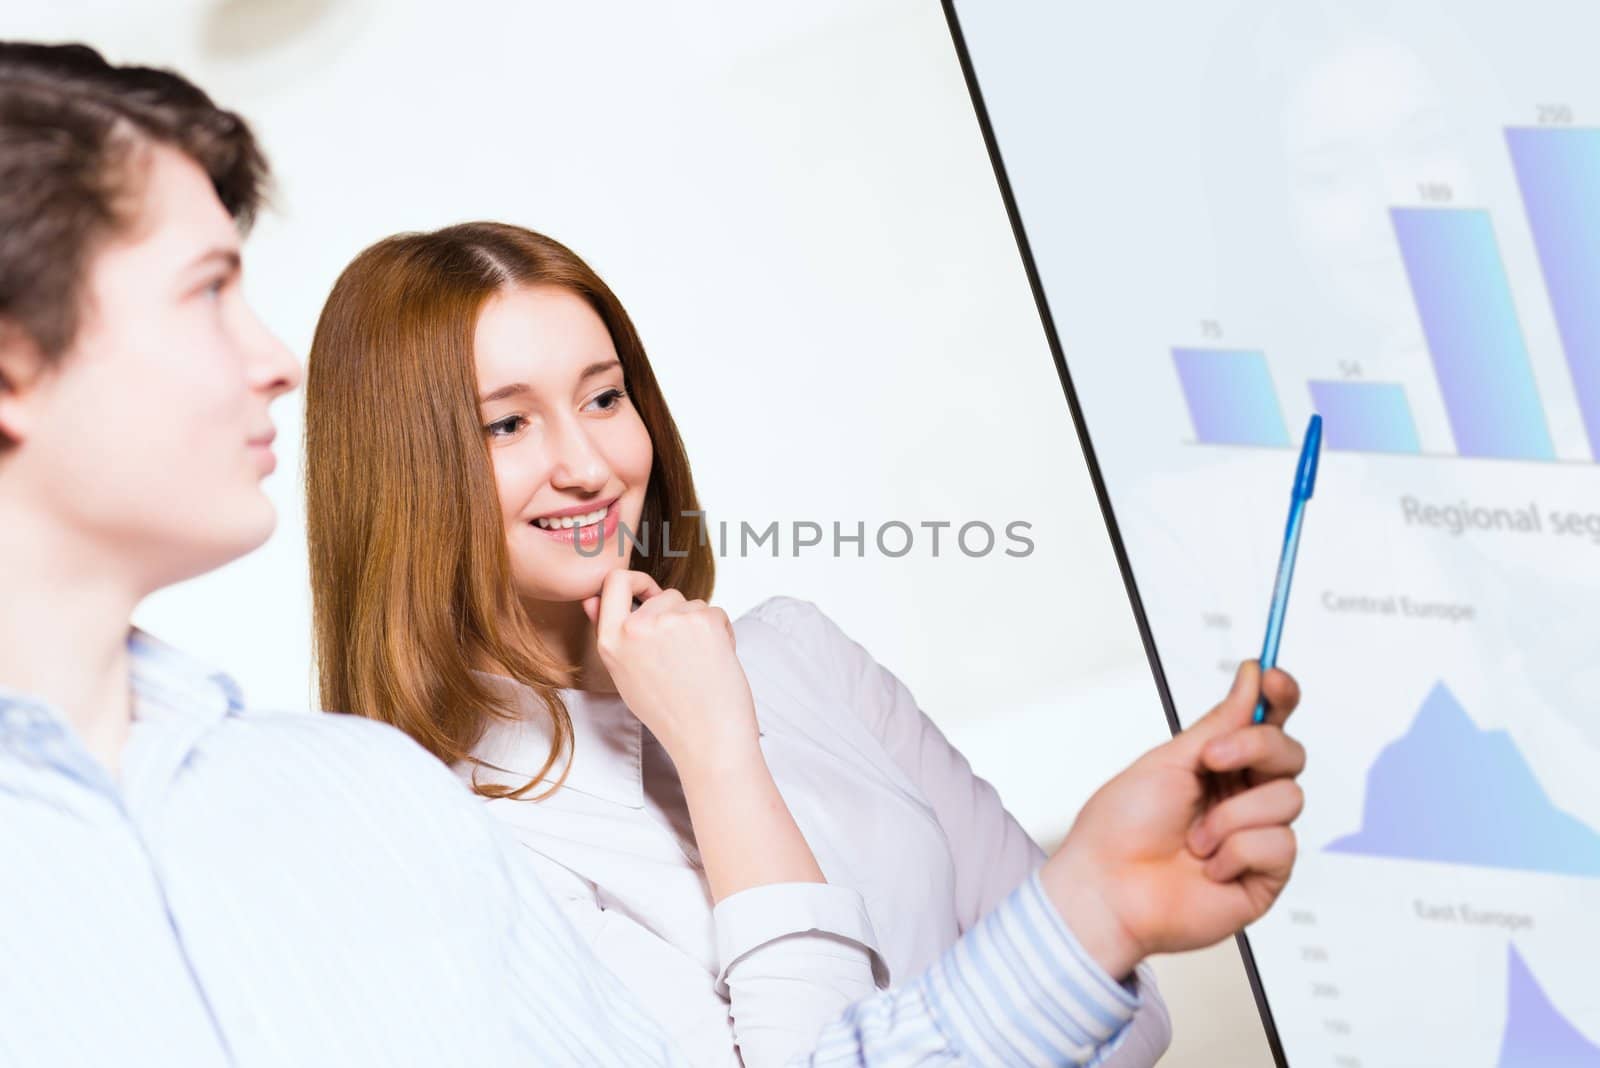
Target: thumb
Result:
[[591, 607], [1232, 712]]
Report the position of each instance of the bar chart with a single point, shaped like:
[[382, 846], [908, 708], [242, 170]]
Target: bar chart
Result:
[[1469, 321]]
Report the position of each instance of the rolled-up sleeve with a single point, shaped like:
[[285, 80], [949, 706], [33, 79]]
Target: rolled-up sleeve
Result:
[[792, 957]]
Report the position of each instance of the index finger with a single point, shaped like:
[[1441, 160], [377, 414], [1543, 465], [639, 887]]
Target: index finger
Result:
[[1265, 751], [617, 591], [1282, 694]]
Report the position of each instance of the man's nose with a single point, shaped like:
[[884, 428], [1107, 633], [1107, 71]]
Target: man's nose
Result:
[[274, 369]]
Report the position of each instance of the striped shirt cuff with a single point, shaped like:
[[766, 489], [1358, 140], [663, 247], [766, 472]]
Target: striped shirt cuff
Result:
[[1019, 989]]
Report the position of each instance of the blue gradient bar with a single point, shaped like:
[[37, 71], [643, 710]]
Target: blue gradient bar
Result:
[[1230, 397], [1464, 301], [1559, 172], [1365, 416]]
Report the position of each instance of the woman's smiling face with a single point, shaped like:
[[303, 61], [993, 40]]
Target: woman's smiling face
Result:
[[563, 436]]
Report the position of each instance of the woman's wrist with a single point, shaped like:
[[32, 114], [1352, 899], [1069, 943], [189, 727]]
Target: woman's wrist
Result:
[[707, 754]]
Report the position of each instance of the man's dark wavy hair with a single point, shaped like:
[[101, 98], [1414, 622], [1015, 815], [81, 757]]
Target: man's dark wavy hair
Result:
[[72, 127]]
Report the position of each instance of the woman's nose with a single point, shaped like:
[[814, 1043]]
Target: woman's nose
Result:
[[575, 461]]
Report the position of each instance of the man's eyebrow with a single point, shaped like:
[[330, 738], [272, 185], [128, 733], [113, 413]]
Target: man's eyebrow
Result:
[[227, 257], [599, 367]]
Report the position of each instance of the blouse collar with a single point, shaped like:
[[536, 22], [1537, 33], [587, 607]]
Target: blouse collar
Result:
[[607, 739]]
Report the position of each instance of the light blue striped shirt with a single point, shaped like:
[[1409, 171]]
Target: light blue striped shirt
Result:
[[312, 889]]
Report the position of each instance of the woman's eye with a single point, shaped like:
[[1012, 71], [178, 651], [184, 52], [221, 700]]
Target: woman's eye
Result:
[[615, 395], [504, 427]]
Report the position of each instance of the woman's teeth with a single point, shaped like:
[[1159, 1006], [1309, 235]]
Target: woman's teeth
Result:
[[573, 520]]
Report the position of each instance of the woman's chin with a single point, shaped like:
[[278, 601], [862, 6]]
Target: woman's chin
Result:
[[576, 582]]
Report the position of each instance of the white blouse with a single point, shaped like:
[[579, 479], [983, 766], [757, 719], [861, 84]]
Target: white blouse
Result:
[[915, 848]]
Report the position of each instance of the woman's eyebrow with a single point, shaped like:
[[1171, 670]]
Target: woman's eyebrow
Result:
[[505, 391], [515, 388], [598, 368]]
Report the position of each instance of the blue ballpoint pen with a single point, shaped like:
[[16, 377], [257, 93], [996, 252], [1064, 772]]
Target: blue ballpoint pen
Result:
[[1305, 480]]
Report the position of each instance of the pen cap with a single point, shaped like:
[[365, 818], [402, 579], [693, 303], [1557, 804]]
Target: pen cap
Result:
[[1305, 479]]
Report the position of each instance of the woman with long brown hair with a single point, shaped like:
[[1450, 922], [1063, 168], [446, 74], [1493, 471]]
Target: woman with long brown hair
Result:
[[484, 434]]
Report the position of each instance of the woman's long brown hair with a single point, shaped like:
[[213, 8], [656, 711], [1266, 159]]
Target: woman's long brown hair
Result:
[[410, 576]]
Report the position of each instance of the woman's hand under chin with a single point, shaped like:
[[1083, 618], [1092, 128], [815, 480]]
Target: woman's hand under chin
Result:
[[673, 663]]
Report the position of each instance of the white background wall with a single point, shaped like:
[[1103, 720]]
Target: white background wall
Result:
[[795, 204]]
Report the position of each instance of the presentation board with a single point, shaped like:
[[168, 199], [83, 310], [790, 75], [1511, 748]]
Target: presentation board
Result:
[[1237, 214]]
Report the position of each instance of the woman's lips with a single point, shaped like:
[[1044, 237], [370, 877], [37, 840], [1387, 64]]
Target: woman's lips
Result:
[[589, 535]]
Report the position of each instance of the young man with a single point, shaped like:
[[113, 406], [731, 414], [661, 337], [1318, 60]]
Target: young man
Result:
[[187, 881]]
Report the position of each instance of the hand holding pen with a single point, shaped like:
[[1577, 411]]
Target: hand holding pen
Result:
[[1193, 841]]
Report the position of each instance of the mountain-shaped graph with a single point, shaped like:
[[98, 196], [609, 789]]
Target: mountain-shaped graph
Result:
[[1538, 1036], [1448, 791]]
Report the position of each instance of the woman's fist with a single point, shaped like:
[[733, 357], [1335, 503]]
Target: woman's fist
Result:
[[673, 663]]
